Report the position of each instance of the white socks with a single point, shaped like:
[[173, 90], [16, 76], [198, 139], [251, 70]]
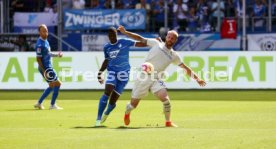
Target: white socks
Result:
[[129, 108]]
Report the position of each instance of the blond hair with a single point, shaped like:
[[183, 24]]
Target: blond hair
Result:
[[173, 32]]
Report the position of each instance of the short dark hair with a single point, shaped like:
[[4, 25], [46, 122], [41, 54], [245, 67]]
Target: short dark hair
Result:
[[112, 29]]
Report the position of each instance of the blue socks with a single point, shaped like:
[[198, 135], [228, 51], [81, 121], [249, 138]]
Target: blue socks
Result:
[[45, 94], [55, 94], [109, 109], [102, 105]]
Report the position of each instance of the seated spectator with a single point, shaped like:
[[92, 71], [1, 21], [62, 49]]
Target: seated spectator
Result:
[[230, 9], [143, 5], [48, 8], [78, 4], [119, 4], [95, 4], [17, 6], [217, 10], [66, 4], [159, 15], [258, 14], [192, 20], [107, 4], [273, 11], [180, 11], [203, 13], [129, 4], [22, 43]]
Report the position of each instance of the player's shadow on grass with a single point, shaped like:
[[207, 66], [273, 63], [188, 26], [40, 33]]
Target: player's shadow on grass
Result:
[[88, 127], [120, 127], [141, 127], [23, 110]]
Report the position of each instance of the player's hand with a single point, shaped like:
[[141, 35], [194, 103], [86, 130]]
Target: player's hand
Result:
[[201, 82], [121, 29], [60, 54], [100, 78]]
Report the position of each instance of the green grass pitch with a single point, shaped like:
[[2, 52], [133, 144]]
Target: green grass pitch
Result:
[[207, 119]]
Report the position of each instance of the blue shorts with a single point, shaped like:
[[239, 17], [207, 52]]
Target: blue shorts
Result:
[[118, 80], [51, 74]]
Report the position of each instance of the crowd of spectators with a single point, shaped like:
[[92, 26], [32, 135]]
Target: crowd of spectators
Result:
[[184, 15]]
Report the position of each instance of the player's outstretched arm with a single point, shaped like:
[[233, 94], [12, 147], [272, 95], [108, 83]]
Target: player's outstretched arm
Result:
[[102, 69], [131, 34], [59, 54], [189, 71]]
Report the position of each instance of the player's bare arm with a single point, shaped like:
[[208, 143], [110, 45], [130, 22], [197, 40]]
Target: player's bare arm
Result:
[[189, 71], [102, 69], [140, 44], [59, 54], [131, 34]]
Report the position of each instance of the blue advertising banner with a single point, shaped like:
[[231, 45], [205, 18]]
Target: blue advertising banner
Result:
[[103, 19], [28, 22]]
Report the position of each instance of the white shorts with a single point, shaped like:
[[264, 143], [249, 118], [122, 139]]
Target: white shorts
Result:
[[144, 85]]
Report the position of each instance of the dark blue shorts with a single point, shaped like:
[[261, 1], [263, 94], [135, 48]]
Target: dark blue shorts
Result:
[[50, 73], [118, 79]]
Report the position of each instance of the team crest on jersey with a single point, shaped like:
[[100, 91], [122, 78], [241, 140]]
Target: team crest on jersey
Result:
[[113, 54]]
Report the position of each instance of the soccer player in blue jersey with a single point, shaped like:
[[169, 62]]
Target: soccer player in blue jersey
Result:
[[116, 61], [44, 54]]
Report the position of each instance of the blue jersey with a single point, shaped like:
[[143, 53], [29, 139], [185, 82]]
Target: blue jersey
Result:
[[118, 55], [43, 50]]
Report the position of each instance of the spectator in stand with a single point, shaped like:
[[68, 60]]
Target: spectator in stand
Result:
[[55, 18], [238, 8], [258, 14], [180, 10], [95, 4], [217, 10], [107, 4], [129, 4], [119, 4], [230, 9], [192, 20], [203, 13], [17, 6], [144, 5], [273, 11], [48, 8], [78, 4], [66, 4], [22, 43], [159, 15]]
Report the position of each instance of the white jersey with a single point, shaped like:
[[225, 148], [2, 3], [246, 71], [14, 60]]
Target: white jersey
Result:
[[160, 56]]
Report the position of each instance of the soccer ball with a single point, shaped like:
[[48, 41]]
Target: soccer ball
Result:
[[147, 67]]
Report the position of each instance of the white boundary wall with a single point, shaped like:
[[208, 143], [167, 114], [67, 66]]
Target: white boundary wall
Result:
[[222, 70]]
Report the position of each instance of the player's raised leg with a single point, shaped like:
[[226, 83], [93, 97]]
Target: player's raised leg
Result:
[[111, 105], [164, 98], [103, 102], [129, 107]]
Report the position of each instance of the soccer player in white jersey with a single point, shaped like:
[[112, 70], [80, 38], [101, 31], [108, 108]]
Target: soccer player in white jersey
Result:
[[160, 56]]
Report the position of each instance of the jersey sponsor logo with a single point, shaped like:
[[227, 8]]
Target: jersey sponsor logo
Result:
[[113, 54]]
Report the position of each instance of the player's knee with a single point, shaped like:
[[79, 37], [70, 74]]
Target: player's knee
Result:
[[51, 84], [58, 83]]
